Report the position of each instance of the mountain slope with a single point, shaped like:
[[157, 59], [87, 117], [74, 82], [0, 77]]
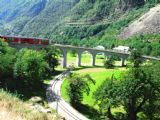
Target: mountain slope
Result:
[[148, 23], [29, 17], [15, 14], [102, 20], [46, 21], [105, 18]]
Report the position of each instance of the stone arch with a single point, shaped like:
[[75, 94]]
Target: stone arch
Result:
[[93, 54], [72, 56], [100, 58], [80, 56]]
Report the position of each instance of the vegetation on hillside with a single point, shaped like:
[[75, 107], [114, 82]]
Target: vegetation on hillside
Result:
[[24, 71], [11, 107], [106, 19], [31, 18]]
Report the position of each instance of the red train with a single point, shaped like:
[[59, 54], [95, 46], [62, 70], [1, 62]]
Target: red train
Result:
[[25, 40]]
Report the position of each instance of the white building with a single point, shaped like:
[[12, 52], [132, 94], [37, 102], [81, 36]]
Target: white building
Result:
[[124, 49], [100, 47]]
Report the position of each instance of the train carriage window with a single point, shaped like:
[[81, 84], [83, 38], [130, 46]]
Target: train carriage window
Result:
[[45, 42], [23, 40], [10, 39], [35, 41], [26, 40], [42, 41]]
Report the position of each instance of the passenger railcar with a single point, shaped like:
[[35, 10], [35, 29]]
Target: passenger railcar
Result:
[[25, 40]]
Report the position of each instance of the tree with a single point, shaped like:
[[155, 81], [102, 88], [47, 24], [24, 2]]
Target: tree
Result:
[[153, 1], [106, 98], [29, 70], [51, 56], [7, 59], [148, 49], [125, 4], [109, 63], [151, 109], [137, 91], [136, 58], [77, 86]]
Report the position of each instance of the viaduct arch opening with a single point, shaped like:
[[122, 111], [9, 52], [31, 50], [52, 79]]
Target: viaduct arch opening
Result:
[[79, 52]]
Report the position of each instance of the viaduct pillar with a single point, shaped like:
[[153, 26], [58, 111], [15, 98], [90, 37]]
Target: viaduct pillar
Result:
[[93, 60], [79, 54], [123, 61], [64, 58]]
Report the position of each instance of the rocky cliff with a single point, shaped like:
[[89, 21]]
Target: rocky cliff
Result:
[[148, 23]]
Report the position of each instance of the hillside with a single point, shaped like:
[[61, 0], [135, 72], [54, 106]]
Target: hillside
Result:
[[148, 23], [76, 22], [15, 14], [31, 17], [99, 22], [12, 108]]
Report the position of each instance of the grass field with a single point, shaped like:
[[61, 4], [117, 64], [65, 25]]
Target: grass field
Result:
[[99, 74]]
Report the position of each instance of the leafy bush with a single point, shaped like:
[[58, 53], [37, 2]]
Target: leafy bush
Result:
[[77, 86], [109, 63], [7, 59], [29, 70]]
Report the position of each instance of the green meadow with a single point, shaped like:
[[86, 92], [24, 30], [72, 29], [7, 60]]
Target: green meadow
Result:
[[99, 74]]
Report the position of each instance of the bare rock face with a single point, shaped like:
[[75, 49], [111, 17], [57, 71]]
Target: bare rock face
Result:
[[148, 23]]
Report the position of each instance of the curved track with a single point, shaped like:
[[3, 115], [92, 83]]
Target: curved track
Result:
[[56, 101]]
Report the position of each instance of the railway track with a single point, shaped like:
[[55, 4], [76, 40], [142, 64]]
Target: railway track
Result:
[[60, 105]]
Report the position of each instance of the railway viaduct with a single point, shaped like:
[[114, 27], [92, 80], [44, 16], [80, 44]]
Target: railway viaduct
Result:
[[108, 53], [80, 50]]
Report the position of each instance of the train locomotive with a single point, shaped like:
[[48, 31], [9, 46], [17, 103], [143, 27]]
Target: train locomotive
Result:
[[25, 40]]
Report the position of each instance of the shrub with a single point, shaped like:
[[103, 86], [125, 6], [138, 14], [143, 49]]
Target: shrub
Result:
[[109, 63]]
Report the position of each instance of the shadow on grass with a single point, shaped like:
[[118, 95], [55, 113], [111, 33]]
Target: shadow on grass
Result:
[[85, 67], [57, 72], [88, 111]]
